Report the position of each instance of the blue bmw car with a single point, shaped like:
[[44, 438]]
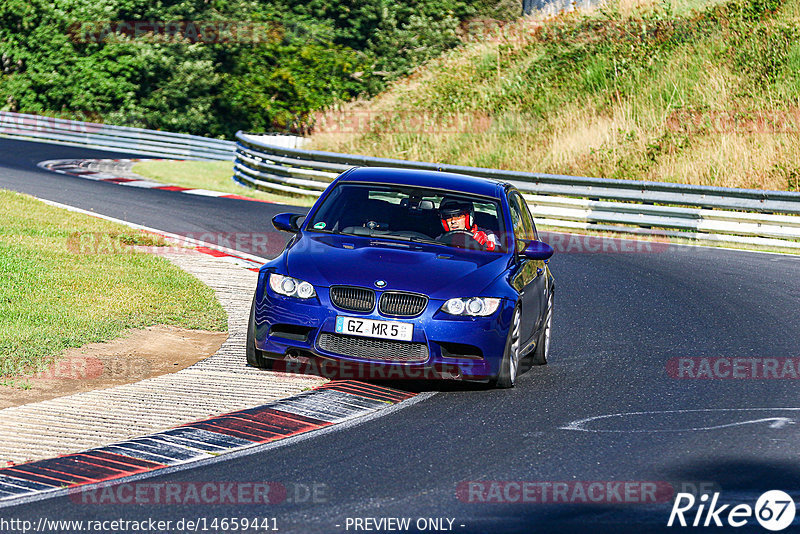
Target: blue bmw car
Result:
[[413, 274]]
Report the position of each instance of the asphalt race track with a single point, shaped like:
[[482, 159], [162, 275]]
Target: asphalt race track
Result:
[[163, 210], [621, 321]]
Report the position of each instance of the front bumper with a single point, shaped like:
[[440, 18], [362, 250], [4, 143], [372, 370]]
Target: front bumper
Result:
[[300, 332]]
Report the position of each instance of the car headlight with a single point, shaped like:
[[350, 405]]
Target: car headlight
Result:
[[475, 306], [291, 287]]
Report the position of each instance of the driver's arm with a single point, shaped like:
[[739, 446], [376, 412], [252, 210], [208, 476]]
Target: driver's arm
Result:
[[487, 240]]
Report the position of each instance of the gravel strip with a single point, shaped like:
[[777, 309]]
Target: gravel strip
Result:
[[219, 384]]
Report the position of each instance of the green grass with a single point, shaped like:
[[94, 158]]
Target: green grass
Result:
[[59, 290], [212, 175], [598, 94]]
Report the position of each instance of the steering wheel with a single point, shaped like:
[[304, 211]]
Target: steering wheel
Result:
[[374, 225], [452, 233]]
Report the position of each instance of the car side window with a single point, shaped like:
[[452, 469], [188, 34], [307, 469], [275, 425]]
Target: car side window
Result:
[[517, 221], [527, 218]]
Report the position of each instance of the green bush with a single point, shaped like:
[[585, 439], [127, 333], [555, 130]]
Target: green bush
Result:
[[317, 53]]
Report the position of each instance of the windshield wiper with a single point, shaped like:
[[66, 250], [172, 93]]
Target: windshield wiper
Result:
[[384, 234], [413, 239], [392, 237], [324, 231], [425, 240]]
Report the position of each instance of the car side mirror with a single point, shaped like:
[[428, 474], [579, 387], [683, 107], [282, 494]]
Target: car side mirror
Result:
[[287, 222], [537, 250]]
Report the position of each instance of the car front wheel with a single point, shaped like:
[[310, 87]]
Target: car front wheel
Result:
[[254, 356], [509, 366], [542, 350]]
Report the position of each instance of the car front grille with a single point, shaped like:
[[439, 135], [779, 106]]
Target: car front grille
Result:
[[373, 349], [402, 304], [358, 299]]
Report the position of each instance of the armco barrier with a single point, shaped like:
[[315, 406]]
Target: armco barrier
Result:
[[749, 216], [274, 163], [118, 138]]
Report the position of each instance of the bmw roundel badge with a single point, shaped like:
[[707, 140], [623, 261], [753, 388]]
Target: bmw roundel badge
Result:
[[380, 283]]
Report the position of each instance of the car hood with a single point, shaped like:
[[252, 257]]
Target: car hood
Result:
[[437, 271]]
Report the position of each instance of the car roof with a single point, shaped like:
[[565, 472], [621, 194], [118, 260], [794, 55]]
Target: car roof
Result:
[[434, 179]]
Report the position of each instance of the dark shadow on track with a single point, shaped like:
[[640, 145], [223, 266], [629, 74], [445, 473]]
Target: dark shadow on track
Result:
[[736, 481]]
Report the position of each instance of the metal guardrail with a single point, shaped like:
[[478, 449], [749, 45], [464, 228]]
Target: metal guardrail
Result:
[[117, 138], [767, 218]]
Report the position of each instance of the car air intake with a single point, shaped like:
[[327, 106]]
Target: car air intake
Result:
[[460, 350], [359, 299], [290, 331], [373, 349], [402, 304]]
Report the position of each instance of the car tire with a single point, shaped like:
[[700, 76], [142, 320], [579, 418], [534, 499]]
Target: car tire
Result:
[[509, 365], [254, 356], [542, 350]]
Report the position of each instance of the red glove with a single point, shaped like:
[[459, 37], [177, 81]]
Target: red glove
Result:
[[481, 237]]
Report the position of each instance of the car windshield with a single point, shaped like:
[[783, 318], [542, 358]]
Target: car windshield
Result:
[[411, 214]]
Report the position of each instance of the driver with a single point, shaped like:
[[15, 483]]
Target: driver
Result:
[[457, 215]]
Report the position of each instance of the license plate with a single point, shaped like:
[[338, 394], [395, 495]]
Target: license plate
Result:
[[356, 326]]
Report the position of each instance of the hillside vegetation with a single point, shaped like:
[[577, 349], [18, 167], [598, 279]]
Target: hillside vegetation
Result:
[[646, 91], [212, 67]]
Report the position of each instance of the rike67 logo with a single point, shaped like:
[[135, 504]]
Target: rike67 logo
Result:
[[774, 510]]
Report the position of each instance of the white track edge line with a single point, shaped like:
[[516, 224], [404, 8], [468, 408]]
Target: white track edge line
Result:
[[177, 237]]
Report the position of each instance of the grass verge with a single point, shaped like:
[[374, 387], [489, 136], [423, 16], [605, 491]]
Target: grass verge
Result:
[[212, 175], [68, 279]]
